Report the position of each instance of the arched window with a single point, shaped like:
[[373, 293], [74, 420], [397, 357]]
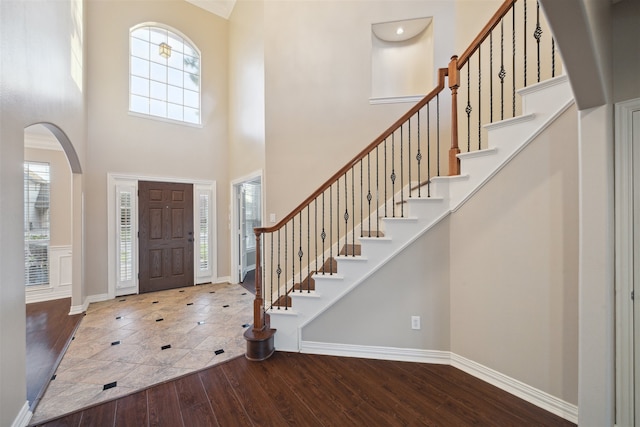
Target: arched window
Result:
[[164, 74]]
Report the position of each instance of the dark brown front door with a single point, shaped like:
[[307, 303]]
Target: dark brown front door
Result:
[[166, 235]]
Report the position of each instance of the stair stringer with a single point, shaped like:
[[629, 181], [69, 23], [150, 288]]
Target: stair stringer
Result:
[[542, 104]]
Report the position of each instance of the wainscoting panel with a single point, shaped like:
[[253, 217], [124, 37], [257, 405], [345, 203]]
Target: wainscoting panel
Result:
[[60, 274]]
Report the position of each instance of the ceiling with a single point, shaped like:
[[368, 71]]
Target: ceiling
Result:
[[221, 8]]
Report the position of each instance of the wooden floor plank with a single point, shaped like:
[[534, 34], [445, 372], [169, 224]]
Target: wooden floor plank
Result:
[[190, 392], [101, 415], [291, 408], [163, 406], [131, 410], [226, 407], [310, 390], [256, 402]]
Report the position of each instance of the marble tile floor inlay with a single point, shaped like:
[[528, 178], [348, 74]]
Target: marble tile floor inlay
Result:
[[129, 343]]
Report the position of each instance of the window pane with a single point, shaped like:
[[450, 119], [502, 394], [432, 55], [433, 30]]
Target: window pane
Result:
[[125, 238], [158, 72], [175, 77], [175, 95], [158, 91], [175, 112], [36, 222], [191, 81], [139, 104], [204, 231], [188, 50], [176, 60], [191, 115], [139, 48], [141, 33], [175, 41], [158, 108], [191, 64], [154, 55], [139, 67], [158, 35], [139, 86], [191, 99]]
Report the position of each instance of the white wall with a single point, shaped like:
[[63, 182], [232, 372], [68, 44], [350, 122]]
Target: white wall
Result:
[[378, 312], [318, 85], [122, 143], [514, 266], [42, 49], [246, 89]]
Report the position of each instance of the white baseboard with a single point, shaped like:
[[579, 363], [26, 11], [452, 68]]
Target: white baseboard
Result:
[[532, 395], [374, 352], [47, 293], [23, 417], [77, 309], [223, 279]]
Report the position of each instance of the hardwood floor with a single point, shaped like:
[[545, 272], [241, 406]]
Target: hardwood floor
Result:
[[309, 390], [49, 331]]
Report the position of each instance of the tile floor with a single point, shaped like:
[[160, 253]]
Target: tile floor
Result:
[[132, 342]]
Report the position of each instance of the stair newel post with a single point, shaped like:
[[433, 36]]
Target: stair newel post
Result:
[[454, 82], [260, 338], [258, 302]]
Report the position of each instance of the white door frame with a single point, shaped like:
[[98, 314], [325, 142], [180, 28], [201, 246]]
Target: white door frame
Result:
[[624, 259], [234, 218], [114, 181]]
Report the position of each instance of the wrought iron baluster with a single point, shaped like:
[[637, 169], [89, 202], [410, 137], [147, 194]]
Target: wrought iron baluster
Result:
[[513, 60], [346, 217], [502, 73], [324, 233], [419, 157], [331, 227], [271, 270], [286, 253], [361, 210], [353, 209], [524, 39], [315, 234], [491, 77], [409, 156], [279, 272], [393, 175], [300, 252], [385, 178], [537, 34], [401, 172], [468, 108], [308, 247], [369, 197], [479, 97], [338, 212], [553, 57], [378, 190]]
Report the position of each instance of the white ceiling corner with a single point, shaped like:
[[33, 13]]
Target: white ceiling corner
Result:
[[222, 8]]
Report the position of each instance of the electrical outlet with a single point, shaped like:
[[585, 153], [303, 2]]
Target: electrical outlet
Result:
[[415, 322]]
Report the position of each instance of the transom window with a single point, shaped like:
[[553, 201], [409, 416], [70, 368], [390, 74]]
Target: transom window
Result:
[[164, 78]]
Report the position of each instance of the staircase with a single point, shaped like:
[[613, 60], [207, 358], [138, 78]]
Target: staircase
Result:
[[541, 104], [418, 171]]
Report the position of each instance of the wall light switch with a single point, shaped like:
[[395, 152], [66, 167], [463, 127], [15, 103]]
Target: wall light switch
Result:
[[415, 322], [272, 217]]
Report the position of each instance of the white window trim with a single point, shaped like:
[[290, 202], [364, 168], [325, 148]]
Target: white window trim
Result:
[[115, 181], [194, 47]]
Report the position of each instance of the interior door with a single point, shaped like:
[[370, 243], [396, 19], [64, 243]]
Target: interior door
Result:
[[165, 235]]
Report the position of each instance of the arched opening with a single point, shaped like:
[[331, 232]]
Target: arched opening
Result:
[[53, 250]]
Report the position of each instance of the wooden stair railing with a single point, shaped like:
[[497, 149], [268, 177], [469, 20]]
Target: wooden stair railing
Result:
[[398, 165]]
